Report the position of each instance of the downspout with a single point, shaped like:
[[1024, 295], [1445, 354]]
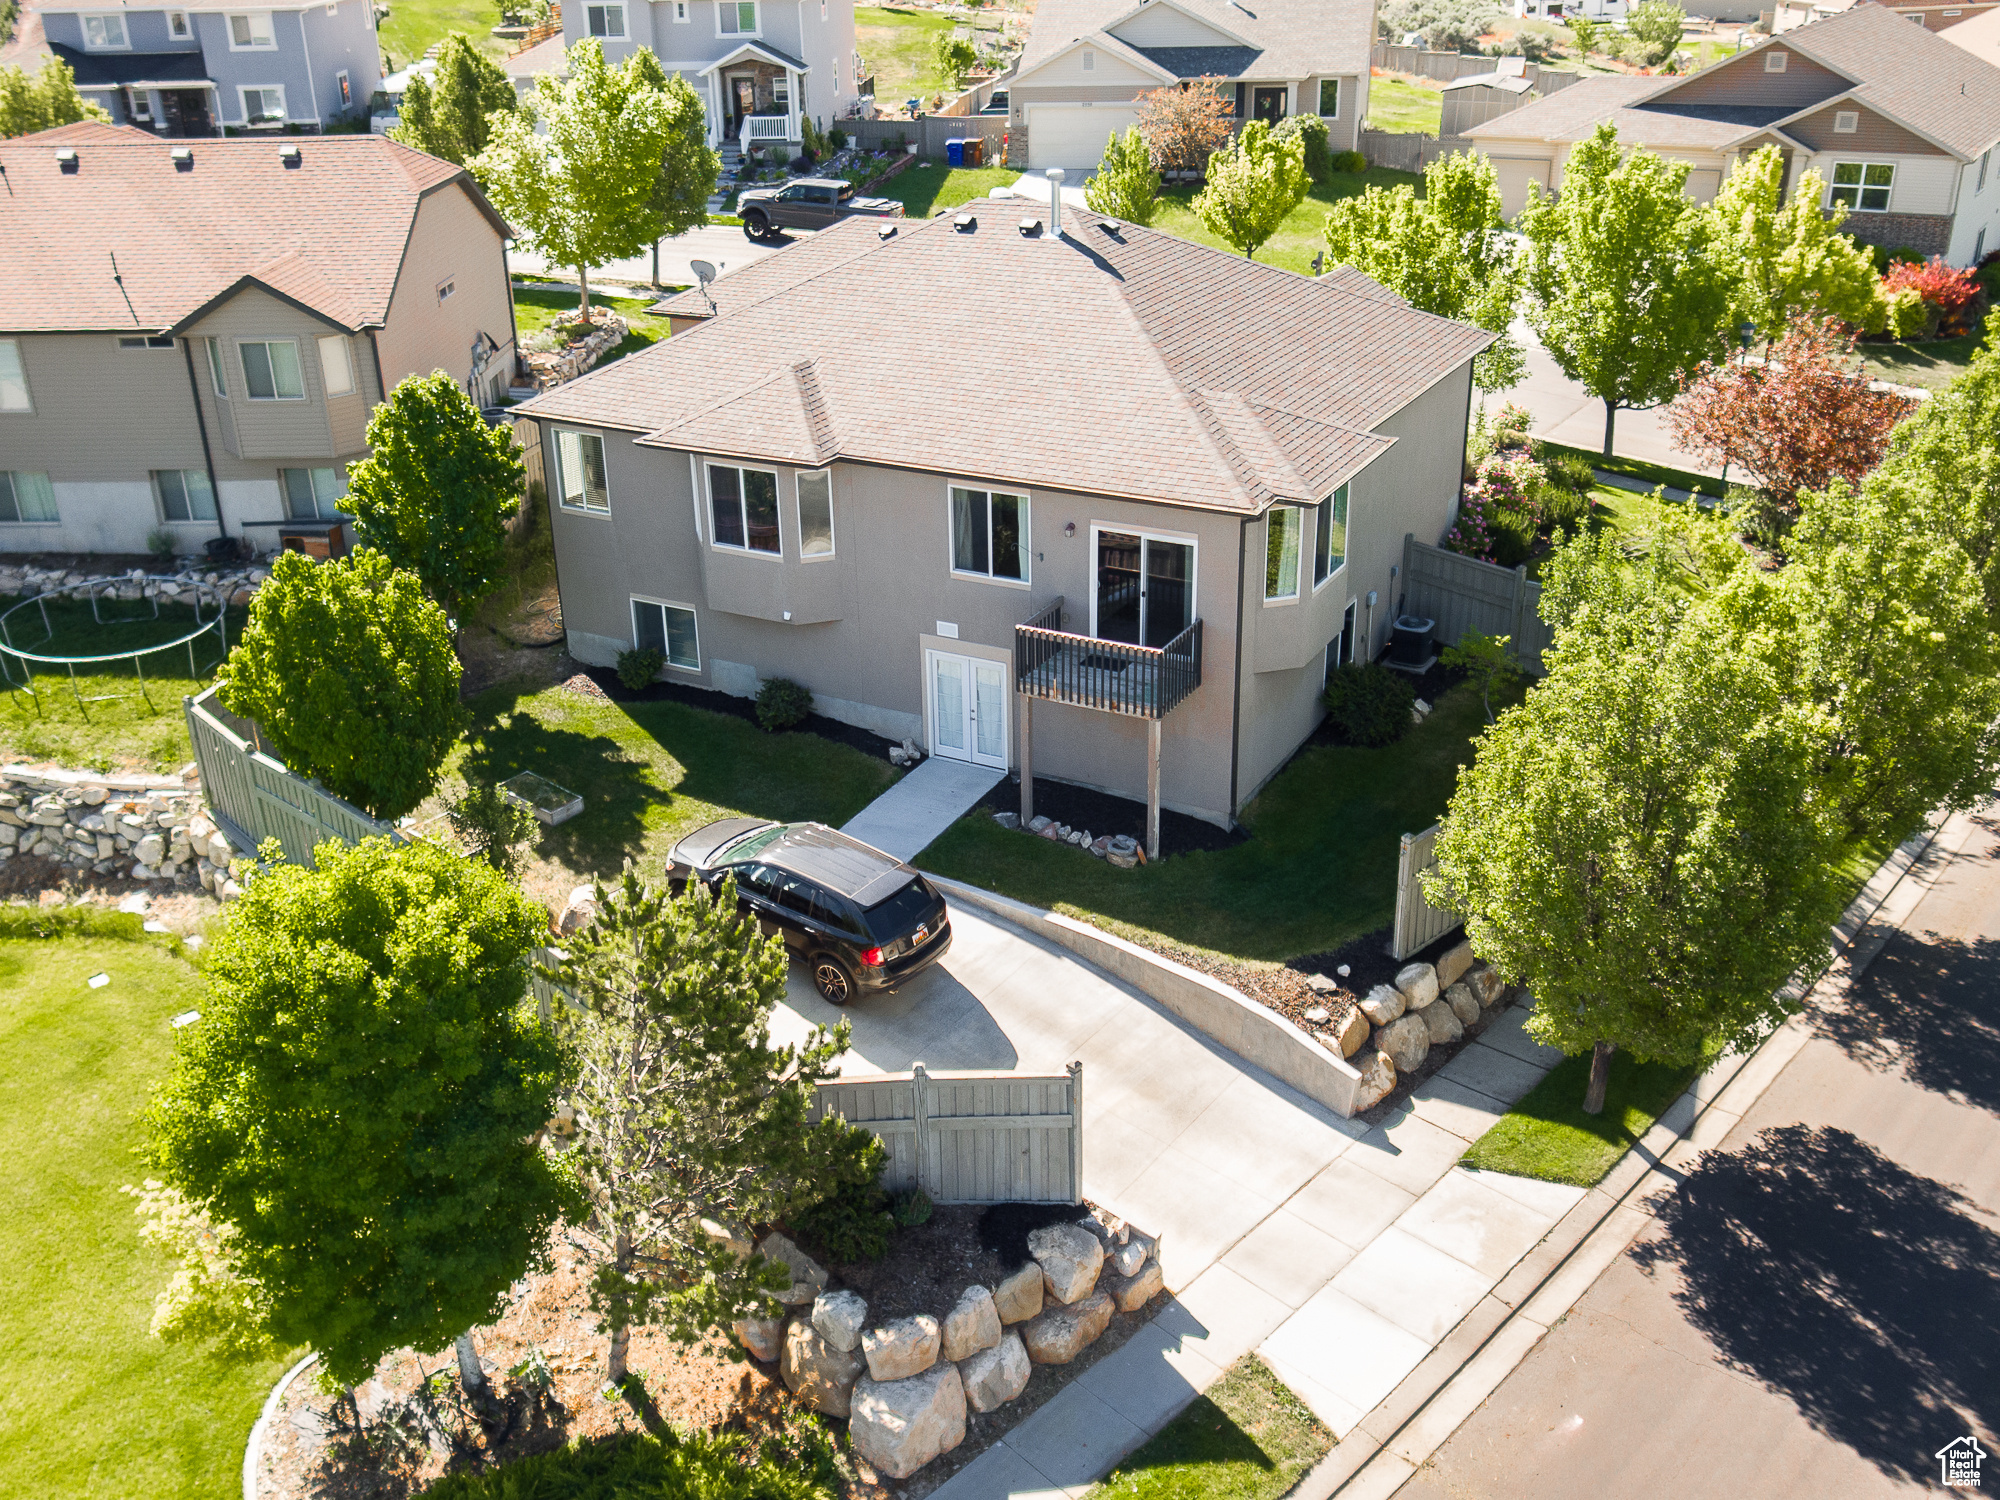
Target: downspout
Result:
[[312, 88], [513, 322], [1236, 673], [375, 353], [201, 426]]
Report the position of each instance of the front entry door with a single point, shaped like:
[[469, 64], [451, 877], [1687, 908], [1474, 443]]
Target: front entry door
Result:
[[1268, 105], [745, 90], [1145, 588], [968, 708]]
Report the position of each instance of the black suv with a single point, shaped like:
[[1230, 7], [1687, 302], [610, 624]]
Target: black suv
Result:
[[861, 920]]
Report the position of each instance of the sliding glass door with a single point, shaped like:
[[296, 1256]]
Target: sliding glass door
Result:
[[1145, 588]]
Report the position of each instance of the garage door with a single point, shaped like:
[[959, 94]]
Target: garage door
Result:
[[1073, 135], [1703, 184], [1515, 173]]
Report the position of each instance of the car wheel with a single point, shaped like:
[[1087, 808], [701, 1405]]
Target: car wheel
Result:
[[756, 226], [832, 979]]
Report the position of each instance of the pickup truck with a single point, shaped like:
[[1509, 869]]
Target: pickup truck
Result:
[[806, 203]]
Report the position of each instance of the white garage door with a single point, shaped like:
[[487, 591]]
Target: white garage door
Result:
[[1515, 173], [1073, 135], [1703, 184]]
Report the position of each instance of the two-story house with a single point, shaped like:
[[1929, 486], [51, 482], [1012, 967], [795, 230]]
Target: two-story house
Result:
[[1122, 547], [199, 67], [760, 65], [1088, 61], [192, 334], [1900, 124], [1937, 15]]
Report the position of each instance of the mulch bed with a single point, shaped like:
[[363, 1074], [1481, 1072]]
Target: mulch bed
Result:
[[1105, 813]]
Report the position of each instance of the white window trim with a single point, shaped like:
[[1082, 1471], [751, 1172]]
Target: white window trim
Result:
[[160, 500], [1860, 187], [253, 45], [681, 14], [1776, 60], [179, 28], [305, 385], [243, 92], [799, 519], [27, 389], [624, 33], [1301, 585], [777, 491], [217, 374], [1144, 534], [739, 35], [1313, 560], [339, 343], [670, 664], [555, 451], [991, 488], [124, 28]]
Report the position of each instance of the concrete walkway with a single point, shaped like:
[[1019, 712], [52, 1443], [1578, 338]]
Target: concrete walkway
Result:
[[927, 801]]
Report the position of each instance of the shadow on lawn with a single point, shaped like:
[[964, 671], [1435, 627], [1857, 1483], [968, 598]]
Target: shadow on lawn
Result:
[[1862, 1292], [617, 789]]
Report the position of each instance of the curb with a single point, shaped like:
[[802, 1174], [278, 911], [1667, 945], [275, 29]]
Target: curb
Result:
[[254, 1449], [1388, 1446]]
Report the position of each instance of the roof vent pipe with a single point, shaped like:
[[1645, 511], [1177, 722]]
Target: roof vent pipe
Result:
[[1055, 202]]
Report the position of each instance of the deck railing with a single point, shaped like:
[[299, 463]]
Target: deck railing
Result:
[[1147, 682]]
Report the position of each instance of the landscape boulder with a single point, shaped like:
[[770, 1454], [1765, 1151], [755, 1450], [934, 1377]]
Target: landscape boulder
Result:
[[901, 1348], [840, 1317], [1070, 1257], [1059, 1334], [1130, 1293], [1378, 1080], [1462, 1004], [763, 1337], [1407, 1042], [1486, 985], [1440, 1022], [1383, 1004], [1128, 1257], [1019, 1297], [808, 1275], [901, 1425], [995, 1376], [973, 1325], [578, 912], [1451, 968], [820, 1375], [1351, 1034], [1419, 984]]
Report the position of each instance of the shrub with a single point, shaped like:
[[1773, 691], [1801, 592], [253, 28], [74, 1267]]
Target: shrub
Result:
[[1757, 514], [491, 826], [160, 542], [1571, 473], [1564, 506], [1368, 704], [853, 1222], [837, 138], [1947, 293], [1886, 259], [639, 666], [1471, 532], [782, 704], [1513, 537], [1537, 41], [912, 1208], [1312, 130], [669, 1467], [1350, 161], [1510, 428]]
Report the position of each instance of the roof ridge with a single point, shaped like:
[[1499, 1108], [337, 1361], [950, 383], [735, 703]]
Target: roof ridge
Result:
[[819, 411], [734, 394]]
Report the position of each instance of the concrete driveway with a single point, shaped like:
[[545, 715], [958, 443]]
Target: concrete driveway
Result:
[[719, 244]]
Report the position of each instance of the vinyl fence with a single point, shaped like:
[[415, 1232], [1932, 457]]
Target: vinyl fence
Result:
[[1464, 593], [256, 798], [1447, 66], [1418, 923], [971, 1137], [931, 132], [1403, 152]]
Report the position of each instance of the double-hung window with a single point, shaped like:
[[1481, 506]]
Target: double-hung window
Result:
[[989, 534], [744, 506], [1329, 98], [816, 514], [668, 629], [680, 12], [185, 494], [105, 33], [251, 32], [1330, 536], [313, 494], [271, 370], [736, 17], [26, 497], [264, 106], [1862, 185], [606, 20], [13, 378], [580, 471], [1281, 552], [336, 365]]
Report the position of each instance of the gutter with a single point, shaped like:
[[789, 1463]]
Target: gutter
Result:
[[201, 426]]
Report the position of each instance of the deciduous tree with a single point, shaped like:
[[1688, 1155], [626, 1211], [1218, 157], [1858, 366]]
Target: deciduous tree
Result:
[[1788, 256], [1125, 185], [685, 1112], [447, 113], [437, 490], [360, 1097], [349, 672], [1802, 418], [1626, 287], [44, 100], [1184, 123], [953, 57], [1254, 182], [691, 167], [1657, 25]]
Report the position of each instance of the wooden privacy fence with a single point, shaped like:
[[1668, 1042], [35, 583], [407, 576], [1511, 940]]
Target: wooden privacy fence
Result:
[[971, 1137], [931, 132], [1401, 151], [255, 798], [1464, 593], [1418, 922], [1447, 66]]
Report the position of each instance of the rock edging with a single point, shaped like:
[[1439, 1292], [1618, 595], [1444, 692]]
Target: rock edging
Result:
[[108, 825]]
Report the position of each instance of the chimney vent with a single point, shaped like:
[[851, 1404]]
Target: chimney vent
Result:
[[183, 158], [66, 158], [289, 155], [1055, 202], [964, 223]]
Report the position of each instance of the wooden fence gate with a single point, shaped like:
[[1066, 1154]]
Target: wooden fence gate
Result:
[[1418, 922]]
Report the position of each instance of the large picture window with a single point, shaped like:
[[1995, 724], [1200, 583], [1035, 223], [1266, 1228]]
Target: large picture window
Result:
[[744, 504], [26, 497], [1281, 552], [1330, 536], [185, 494], [580, 471], [668, 629], [13, 378], [816, 514], [989, 534], [313, 494], [271, 370], [1862, 185]]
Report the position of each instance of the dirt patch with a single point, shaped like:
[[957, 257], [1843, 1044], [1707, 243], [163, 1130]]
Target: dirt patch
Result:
[[490, 659], [29, 877]]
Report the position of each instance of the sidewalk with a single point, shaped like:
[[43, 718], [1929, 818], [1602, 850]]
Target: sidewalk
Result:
[[927, 801], [724, 247]]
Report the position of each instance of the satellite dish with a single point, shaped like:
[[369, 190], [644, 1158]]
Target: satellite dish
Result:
[[704, 271]]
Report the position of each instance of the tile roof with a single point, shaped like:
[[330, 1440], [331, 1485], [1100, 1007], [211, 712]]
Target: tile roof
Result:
[[329, 233], [1286, 38], [1122, 361]]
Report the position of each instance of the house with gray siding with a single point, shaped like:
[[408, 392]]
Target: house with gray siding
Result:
[[1121, 544], [157, 375], [199, 67]]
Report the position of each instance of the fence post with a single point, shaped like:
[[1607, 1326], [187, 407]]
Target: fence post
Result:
[[920, 1112], [1076, 1131], [1519, 643]]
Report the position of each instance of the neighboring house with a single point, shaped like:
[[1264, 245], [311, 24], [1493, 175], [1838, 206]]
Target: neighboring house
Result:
[[192, 334], [1900, 124], [1791, 14], [1087, 61], [1980, 35], [385, 106], [1136, 531], [195, 69], [761, 65]]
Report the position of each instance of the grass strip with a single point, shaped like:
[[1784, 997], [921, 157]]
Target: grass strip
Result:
[[1548, 1136], [1249, 1438], [1635, 468]]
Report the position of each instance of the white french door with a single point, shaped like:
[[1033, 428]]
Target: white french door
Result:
[[968, 708]]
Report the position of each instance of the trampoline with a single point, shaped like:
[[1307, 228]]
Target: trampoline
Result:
[[18, 663]]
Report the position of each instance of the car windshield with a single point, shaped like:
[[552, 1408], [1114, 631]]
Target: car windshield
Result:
[[759, 841], [895, 917]]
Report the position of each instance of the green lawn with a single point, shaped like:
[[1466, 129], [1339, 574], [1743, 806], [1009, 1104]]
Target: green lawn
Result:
[[90, 1403], [1404, 107], [1249, 1438], [412, 25], [114, 727], [1933, 366], [534, 310], [1318, 869], [650, 772], [1547, 1135], [932, 187], [1299, 238], [895, 44]]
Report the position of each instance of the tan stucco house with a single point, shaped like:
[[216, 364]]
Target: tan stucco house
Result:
[[1131, 528], [193, 333]]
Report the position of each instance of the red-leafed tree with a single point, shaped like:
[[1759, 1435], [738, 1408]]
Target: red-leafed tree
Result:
[[1184, 123], [1949, 292], [1802, 418]]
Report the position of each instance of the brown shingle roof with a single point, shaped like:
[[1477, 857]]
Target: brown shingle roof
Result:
[[329, 233], [1120, 361], [1294, 38]]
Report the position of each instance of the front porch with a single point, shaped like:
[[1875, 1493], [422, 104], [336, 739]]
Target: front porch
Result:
[[754, 99]]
